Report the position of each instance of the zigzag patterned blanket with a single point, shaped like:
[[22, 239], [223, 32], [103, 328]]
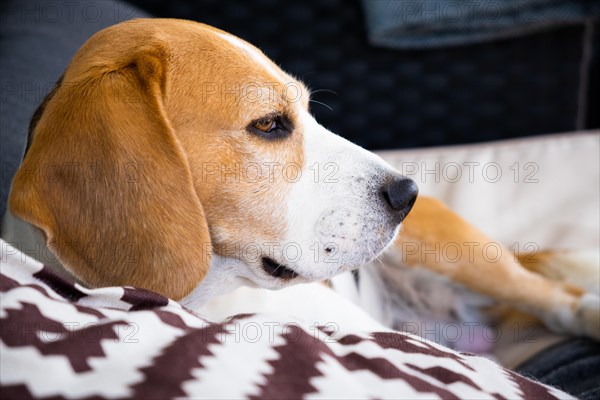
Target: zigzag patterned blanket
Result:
[[61, 340]]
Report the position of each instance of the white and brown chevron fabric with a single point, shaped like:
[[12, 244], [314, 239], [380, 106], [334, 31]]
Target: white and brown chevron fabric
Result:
[[61, 340]]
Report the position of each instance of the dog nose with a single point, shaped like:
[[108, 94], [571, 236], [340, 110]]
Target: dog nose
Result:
[[400, 194]]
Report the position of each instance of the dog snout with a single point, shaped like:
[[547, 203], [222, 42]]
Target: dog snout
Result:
[[400, 194]]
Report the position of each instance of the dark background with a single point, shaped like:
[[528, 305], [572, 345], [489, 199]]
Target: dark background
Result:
[[381, 98], [386, 98]]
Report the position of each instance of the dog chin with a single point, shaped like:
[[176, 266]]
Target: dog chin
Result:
[[227, 274], [273, 274]]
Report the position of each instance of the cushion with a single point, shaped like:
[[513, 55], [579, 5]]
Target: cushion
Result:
[[59, 339]]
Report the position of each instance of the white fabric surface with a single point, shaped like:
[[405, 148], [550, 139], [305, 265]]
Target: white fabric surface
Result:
[[553, 202]]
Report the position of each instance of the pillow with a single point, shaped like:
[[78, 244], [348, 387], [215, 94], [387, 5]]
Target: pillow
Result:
[[59, 339], [541, 190]]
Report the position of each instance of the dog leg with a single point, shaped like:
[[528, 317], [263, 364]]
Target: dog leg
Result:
[[576, 267], [436, 238]]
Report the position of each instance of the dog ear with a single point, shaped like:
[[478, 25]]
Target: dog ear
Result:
[[109, 183]]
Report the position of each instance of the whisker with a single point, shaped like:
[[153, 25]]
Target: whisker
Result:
[[318, 102], [323, 90], [371, 251], [378, 257]]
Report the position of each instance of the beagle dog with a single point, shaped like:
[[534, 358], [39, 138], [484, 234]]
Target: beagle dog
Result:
[[178, 158]]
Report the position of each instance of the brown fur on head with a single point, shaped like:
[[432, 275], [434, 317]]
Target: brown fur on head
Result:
[[137, 171]]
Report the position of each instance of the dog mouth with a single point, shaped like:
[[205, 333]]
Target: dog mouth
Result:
[[277, 270]]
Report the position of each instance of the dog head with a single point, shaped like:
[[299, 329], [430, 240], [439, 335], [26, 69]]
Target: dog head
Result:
[[171, 150]]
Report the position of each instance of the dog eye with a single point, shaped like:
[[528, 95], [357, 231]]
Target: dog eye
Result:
[[265, 125], [271, 127]]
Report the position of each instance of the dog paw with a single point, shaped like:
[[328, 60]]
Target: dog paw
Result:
[[587, 316]]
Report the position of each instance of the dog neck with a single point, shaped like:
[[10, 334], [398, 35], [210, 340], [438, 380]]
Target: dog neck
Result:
[[225, 275]]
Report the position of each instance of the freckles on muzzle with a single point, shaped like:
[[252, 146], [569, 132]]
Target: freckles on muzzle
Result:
[[356, 229], [353, 235]]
